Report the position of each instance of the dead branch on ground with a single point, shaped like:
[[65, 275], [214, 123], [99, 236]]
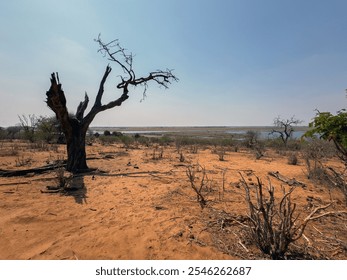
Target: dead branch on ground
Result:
[[37, 170], [290, 182]]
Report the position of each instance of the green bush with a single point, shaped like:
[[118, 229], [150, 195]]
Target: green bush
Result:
[[47, 129], [127, 140], [107, 140], [107, 133], [331, 128]]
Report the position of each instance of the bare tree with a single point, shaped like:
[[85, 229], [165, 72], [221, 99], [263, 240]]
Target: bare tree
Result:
[[28, 124], [75, 126], [285, 128]]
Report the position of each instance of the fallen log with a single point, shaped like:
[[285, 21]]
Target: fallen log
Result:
[[290, 182], [37, 170]]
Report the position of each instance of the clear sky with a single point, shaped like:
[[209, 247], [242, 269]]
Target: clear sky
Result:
[[240, 62]]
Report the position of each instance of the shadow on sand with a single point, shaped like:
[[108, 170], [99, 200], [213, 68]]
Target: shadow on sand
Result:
[[77, 189]]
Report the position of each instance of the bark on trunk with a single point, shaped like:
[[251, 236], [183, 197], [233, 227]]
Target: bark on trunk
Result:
[[76, 151], [74, 127]]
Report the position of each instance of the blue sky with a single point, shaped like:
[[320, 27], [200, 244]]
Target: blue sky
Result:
[[240, 62]]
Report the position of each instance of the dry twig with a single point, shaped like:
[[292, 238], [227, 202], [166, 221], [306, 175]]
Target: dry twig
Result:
[[274, 225], [191, 174]]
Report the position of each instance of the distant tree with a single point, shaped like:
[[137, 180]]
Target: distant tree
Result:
[[75, 127], [2, 133], [284, 128], [48, 129], [13, 131], [107, 133], [117, 133], [251, 138], [332, 128], [29, 125]]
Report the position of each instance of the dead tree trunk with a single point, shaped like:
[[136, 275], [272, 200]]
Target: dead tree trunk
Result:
[[75, 126], [73, 129], [76, 150]]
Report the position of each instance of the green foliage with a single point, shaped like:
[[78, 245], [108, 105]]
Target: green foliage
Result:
[[108, 140], [47, 129], [13, 132], [227, 142], [107, 133], [127, 140], [205, 141], [2, 133], [164, 140], [142, 140], [332, 128]]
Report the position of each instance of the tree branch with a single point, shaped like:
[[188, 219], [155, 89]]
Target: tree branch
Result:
[[101, 87], [82, 107], [56, 100], [117, 102], [105, 49], [97, 104], [125, 61]]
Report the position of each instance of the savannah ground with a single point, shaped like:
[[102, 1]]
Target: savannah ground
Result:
[[139, 204]]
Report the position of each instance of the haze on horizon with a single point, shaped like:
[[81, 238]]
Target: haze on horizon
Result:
[[240, 62]]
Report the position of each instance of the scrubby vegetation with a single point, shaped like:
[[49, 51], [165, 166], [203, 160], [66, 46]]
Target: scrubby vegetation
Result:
[[243, 216]]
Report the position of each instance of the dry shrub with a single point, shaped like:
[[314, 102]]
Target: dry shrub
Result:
[[274, 223], [293, 159], [182, 158], [314, 153], [60, 177], [194, 149], [23, 161], [236, 148], [178, 145], [39, 146], [13, 150], [258, 149], [259, 153], [198, 187], [157, 153], [220, 151], [315, 170], [337, 179]]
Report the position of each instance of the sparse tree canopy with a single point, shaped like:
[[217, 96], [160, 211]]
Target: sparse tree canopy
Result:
[[284, 128], [47, 129], [75, 127], [332, 128]]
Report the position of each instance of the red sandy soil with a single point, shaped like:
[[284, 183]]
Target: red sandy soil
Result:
[[138, 207]]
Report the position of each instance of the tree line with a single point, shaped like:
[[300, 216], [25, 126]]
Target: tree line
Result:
[[34, 128]]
